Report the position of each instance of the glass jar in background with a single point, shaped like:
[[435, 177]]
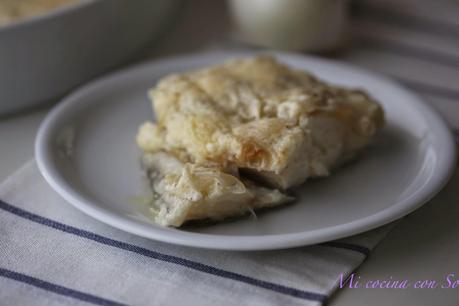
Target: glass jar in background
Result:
[[299, 25]]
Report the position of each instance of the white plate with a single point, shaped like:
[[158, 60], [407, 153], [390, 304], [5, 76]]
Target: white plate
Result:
[[411, 160]]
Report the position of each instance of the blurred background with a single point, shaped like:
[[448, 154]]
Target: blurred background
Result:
[[416, 42], [50, 48]]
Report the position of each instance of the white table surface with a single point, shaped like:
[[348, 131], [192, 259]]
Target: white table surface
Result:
[[425, 245]]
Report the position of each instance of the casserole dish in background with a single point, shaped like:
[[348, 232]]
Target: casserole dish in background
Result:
[[45, 56]]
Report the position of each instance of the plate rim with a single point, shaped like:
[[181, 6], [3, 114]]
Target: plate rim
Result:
[[48, 169]]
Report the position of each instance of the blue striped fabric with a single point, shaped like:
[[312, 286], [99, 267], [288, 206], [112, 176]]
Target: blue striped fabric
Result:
[[422, 35], [163, 257], [47, 244], [56, 288]]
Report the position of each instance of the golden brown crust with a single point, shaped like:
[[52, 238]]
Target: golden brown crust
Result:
[[259, 114]]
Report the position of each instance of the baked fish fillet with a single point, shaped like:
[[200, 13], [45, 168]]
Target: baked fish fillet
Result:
[[184, 191], [279, 124]]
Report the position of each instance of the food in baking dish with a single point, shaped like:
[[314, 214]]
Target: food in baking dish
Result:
[[12, 10]]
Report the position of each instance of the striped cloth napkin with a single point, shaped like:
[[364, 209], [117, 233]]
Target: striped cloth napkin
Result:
[[51, 254], [416, 42]]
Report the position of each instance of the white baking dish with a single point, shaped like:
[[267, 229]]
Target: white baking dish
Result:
[[45, 56]]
